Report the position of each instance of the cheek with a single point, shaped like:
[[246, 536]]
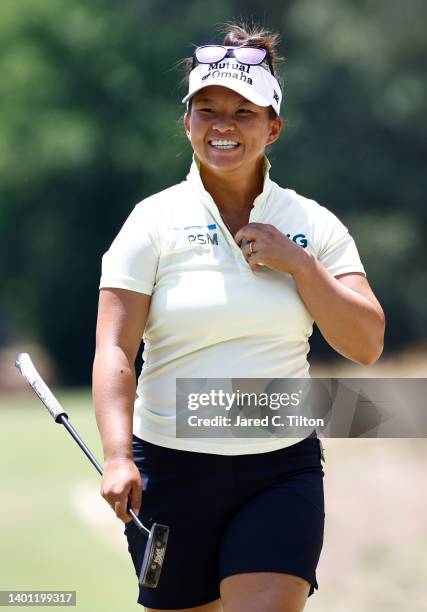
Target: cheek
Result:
[[258, 136], [195, 129]]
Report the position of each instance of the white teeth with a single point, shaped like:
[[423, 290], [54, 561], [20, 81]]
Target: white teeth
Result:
[[224, 144]]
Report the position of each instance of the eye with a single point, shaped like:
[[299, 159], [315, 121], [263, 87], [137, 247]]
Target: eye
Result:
[[205, 109], [244, 111]]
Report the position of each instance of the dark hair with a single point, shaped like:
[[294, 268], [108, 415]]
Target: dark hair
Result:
[[241, 34]]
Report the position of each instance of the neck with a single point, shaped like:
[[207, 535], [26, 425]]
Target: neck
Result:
[[233, 190]]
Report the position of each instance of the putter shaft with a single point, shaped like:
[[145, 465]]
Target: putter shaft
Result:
[[68, 426]]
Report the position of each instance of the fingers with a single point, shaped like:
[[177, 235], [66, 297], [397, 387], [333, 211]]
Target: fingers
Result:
[[122, 502], [120, 508], [252, 231], [253, 238], [121, 488], [255, 264], [249, 248], [252, 256], [263, 244], [135, 499], [123, 505]]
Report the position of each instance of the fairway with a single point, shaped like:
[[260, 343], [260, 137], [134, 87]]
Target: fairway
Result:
[[47, 541], [58, 533]]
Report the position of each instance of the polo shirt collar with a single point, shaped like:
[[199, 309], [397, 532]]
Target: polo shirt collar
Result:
[[195, 180]]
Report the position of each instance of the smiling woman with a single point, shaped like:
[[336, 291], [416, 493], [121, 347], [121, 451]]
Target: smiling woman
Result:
[[229, 133], [224, 275]]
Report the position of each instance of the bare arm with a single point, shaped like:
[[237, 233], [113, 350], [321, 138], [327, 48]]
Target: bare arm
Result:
[[122, 315], [346, 311]]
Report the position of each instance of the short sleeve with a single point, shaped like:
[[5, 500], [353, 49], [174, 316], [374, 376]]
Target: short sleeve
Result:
[[336, 249], [131, 261]]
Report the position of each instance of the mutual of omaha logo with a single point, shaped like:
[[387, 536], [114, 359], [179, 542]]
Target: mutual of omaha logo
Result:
[[231, 70]]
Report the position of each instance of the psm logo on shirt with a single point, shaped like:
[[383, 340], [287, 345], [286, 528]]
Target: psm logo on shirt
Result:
[[203, 237]]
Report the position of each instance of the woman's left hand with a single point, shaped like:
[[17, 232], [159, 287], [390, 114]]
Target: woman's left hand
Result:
[[265, 245]]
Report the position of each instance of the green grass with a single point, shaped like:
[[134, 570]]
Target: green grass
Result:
[[44, 544]]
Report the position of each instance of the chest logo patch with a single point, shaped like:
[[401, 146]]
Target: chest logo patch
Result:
[[201, 237]]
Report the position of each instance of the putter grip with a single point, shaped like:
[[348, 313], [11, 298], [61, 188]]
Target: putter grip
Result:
[[40, 388]]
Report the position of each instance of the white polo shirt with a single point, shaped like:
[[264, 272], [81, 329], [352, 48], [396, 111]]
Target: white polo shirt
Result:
[[211, 316]]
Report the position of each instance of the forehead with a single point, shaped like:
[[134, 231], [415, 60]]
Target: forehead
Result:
[[216, 93]]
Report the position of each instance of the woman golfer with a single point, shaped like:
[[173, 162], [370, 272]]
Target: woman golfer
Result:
[[223, 275]]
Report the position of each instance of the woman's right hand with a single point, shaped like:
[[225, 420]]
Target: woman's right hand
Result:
[[121, 481]]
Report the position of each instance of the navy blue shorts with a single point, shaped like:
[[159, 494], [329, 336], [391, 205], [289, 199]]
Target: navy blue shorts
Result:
[[228, 515]]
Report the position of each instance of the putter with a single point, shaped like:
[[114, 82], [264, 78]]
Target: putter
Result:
[[158, 534]]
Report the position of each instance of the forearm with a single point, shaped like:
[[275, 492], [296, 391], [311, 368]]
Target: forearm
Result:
[[114, 395], [348, 321]]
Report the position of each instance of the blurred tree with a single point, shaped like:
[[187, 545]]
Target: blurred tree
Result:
[[355, 108], [89, 112], [89, 123]]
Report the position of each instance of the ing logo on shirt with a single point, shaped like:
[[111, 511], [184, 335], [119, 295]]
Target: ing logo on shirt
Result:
[[300, 239]]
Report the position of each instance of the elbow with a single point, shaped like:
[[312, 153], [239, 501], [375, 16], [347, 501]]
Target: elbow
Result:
[[374, 347], [372, 357]]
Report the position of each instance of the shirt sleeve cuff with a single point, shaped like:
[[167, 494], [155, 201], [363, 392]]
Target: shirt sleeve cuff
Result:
[[126, 283]]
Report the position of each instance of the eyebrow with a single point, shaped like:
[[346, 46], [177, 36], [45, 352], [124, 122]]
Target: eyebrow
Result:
[[207, 99]]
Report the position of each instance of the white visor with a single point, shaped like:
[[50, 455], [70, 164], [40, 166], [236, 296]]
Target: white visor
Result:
[[255, 83]]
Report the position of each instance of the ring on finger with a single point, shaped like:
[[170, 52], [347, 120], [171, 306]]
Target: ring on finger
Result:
[[250, 247]]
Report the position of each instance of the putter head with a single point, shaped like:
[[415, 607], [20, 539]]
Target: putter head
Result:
[[154, 555]]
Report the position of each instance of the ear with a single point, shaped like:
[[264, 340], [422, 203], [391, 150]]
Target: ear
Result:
[[186, 121], [276, 127]]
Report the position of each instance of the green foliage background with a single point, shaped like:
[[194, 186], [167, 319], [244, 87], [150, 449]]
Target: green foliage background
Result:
[[89, 125]]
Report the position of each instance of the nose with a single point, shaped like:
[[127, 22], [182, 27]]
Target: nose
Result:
[[223, 124]]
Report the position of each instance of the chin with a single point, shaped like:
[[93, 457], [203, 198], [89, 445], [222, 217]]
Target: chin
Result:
[[223, 160]]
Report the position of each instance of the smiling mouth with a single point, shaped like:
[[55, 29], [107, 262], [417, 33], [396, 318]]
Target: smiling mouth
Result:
[[224, 145]]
